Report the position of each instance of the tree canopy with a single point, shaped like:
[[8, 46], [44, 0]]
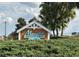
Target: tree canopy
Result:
[[56, 15], [20, 23]]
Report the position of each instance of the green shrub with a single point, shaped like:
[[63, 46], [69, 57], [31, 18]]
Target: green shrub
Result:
[[62, 47]]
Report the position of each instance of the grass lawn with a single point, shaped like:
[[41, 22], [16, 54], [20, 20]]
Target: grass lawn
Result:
[[61, 47]]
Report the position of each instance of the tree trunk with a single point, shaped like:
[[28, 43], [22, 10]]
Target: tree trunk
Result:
[[62, 30], [53, 33], [56, 32]]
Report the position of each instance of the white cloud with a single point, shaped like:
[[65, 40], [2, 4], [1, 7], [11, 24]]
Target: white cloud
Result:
[[13, 11], [16, 10], [29, 10], [9, 19], [2, 14], [31, 4]]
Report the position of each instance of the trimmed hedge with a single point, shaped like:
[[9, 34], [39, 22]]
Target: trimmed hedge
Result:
[[40, 48]]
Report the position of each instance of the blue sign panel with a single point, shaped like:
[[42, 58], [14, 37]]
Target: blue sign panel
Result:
[[34, 36]]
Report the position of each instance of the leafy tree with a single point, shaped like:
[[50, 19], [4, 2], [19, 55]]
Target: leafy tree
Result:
[[20, 23], [56, 15], [66, 13]]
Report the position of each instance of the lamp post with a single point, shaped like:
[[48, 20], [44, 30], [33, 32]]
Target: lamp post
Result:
[[5, 22], [7, 19], [5, 30]]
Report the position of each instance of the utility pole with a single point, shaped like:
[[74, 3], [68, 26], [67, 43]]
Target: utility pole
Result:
[[6, 20], [5, 30]]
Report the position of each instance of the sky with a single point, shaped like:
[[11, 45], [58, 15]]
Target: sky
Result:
[[11, 11]]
